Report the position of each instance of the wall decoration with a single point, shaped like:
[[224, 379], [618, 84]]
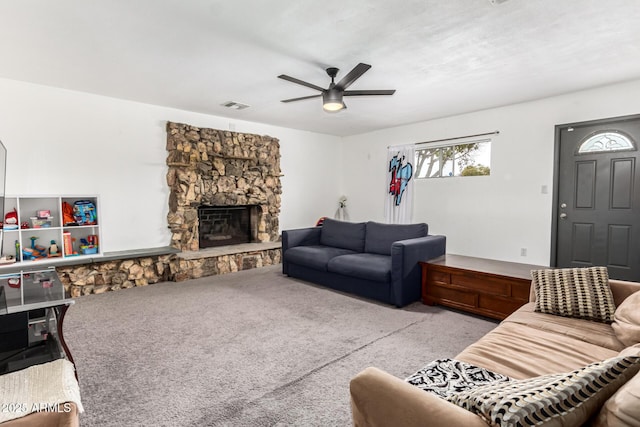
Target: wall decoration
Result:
[[341, 212], [399, 198]]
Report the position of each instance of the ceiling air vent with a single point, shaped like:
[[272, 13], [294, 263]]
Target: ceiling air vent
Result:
[[234, 105]]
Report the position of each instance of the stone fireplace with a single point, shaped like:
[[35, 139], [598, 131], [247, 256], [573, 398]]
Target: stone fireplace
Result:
[[214, 175]]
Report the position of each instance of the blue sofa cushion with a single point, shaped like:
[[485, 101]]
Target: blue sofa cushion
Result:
[[315, 257], [342, 234], [372, 267], [380, 237]]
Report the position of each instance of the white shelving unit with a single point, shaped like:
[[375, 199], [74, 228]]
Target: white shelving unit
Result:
[[27, 208]]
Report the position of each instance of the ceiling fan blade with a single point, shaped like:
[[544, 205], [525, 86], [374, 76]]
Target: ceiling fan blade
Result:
[[301, 98], [353, 75], [368, 92], [300, 82]]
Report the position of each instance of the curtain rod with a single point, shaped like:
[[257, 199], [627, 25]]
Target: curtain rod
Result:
[[495, 132]]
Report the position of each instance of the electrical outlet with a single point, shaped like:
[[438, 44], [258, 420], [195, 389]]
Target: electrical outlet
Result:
[[523, 251]]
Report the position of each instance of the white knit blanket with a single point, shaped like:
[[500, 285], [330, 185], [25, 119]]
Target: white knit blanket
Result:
[[43, 387]]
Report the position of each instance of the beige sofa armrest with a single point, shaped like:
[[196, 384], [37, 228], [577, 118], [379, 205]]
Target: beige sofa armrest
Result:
[[380, 399], [621, 289], [70, 418]]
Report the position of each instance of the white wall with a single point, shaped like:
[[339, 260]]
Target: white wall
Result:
[[72, 143], [65, 142], [495, 216]]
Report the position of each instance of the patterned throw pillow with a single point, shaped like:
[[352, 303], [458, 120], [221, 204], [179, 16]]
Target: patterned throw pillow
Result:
[[583, 293], [537, 400], [448, 376]]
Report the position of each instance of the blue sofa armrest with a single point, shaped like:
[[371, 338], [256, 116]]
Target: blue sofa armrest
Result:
[[406, 273], [299, 237]]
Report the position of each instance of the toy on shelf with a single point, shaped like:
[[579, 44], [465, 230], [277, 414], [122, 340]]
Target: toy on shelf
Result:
[[54, 251], [13, 282], [41, 222], [67, 215], [86, 248], [8, 259], [11, 220], [69, 244], [43, 219], [84, 212], [66, 244], [35, 252], [24, 225]]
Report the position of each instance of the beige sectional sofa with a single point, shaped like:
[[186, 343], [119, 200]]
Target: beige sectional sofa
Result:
[[526, 344]]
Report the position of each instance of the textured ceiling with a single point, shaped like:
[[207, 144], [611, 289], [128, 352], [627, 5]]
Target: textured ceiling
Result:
[[443, 58]]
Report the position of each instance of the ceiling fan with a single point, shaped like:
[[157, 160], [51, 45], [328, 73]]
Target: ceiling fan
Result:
[[332, 96]]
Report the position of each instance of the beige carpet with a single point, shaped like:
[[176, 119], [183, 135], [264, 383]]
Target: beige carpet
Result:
[[253, 348]]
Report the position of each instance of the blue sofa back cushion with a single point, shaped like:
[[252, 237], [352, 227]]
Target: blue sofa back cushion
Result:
[[342, 234], [380, 236]]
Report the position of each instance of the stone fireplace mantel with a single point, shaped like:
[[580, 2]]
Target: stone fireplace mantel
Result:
[[220, 168]]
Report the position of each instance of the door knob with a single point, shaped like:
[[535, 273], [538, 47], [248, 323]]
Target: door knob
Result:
[[563, 215]]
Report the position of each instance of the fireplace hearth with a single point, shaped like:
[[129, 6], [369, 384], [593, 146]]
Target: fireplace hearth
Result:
[[226, 225]]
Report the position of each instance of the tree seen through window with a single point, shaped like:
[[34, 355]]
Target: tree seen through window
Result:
[[469, 159]]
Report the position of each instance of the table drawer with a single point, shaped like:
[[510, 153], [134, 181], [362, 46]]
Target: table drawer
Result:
[[441, 293], [435, 276], [480, 283]]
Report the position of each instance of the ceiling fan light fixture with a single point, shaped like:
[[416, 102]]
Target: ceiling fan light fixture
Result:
[[332, 96], [332, 100]]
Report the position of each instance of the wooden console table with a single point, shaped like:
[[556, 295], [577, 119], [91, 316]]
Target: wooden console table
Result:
[[487, 287]]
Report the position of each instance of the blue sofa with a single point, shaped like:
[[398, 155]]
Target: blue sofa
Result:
[[369, 259]]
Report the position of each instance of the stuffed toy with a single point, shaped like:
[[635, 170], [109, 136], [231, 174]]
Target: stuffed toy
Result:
[[11, 219]]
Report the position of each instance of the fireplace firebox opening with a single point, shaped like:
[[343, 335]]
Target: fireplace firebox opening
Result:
[[226, 225]]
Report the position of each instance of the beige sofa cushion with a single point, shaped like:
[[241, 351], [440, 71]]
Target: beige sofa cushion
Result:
[[583, 293], [634, 350], [520, 351], [626, 320], [556, 400], [597, 333], [623, 408]]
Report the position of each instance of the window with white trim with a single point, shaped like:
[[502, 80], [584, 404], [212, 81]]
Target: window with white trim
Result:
[[466, 158]]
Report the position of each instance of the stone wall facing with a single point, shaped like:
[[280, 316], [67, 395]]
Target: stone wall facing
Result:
[[208, 266], [99, 277], [220, 168]]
